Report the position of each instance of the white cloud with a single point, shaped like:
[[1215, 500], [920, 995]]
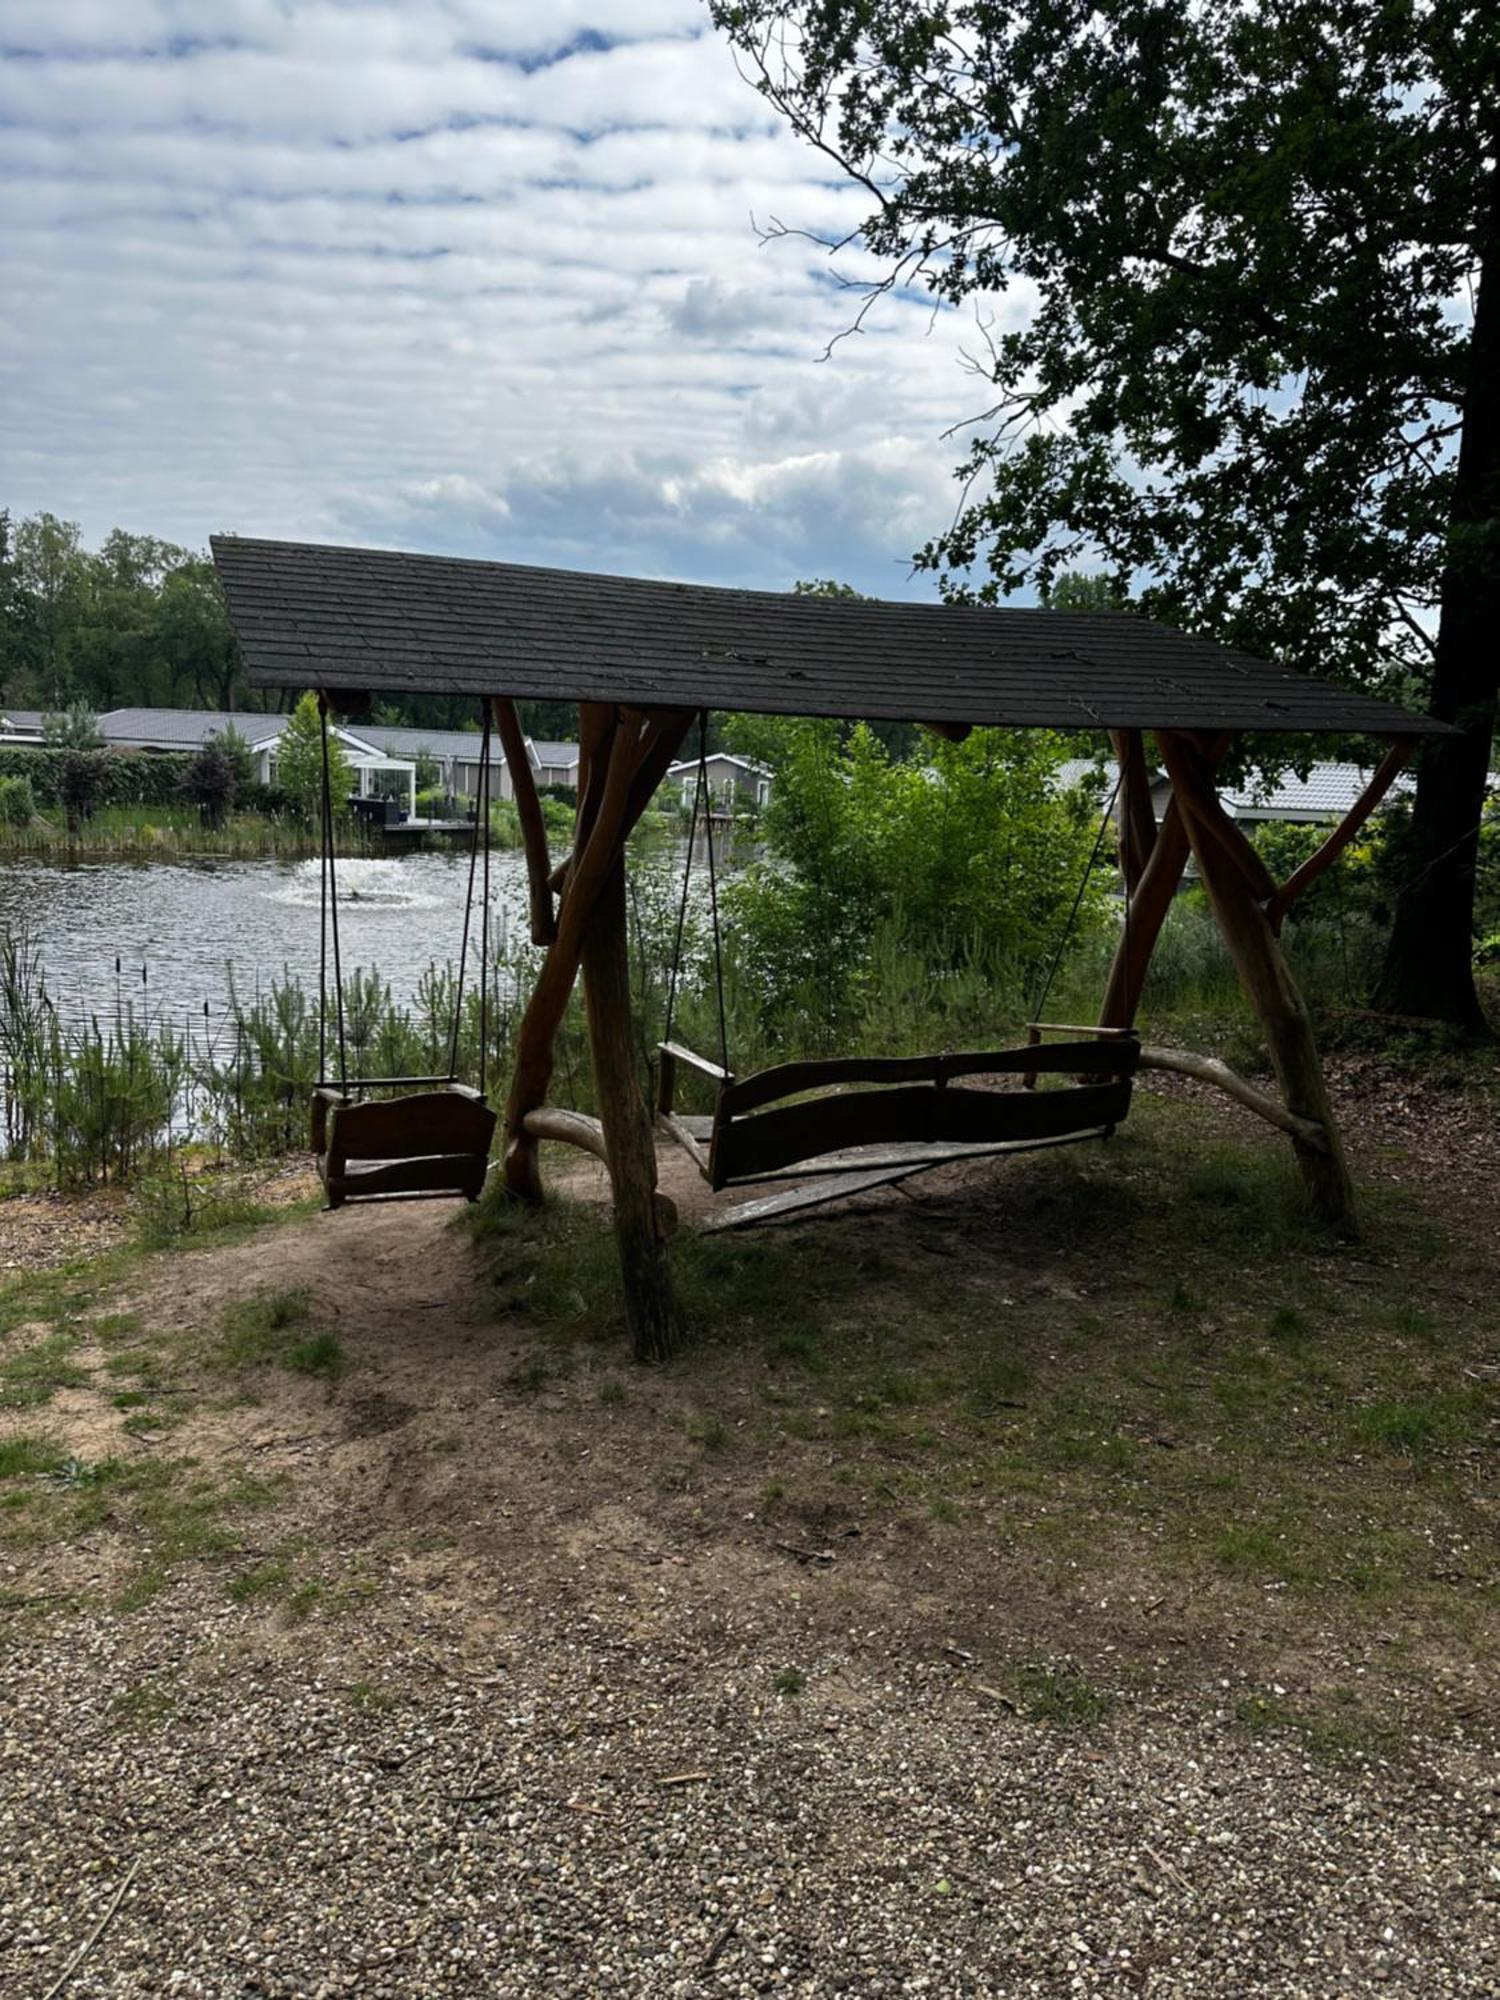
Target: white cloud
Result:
[[467, 275]]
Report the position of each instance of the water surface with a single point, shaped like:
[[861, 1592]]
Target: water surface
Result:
[[176, 928]]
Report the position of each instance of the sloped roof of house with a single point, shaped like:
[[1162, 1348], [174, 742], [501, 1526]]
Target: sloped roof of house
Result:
[[184, 728], [719, 757], [395, 623], [1328, 791], [401, 741]]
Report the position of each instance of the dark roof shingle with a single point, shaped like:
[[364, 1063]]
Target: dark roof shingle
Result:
[[308, 616]]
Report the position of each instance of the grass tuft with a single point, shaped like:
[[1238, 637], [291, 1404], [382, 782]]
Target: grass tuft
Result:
[[1061, 1695], [274, 1329]]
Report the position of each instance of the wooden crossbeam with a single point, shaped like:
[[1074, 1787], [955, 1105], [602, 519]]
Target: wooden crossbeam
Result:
[[1392, 765]]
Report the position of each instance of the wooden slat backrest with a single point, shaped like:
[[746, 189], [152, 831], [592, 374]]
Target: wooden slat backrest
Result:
[[908, 1114], [438, 1173], [1082, 1058], [428, 1122]]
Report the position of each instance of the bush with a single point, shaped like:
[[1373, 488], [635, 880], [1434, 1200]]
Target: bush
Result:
[[558, 817], [75, 727], [966, 850], [505, 824], [211, 782], [17, 802], [231, 744], [81, 782], [268, 800], [126, 778]]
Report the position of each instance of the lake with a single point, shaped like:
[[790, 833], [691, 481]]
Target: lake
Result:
[[175, 928]]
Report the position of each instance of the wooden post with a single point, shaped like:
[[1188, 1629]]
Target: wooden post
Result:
[[624, 752], [529, 810], [1149, 904], [1137, 818], [1265, 976], [645, 1275]]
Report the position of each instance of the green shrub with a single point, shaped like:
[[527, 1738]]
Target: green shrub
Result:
[[17, 802], [125, 777], [963, 848], [505, 824], [211, 782]]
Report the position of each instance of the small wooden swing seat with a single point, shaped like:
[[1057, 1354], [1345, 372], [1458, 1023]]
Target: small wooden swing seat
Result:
[[916, 1115], [429, 1142]]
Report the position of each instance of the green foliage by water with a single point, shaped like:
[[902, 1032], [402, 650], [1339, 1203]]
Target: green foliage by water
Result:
[[961, 855]]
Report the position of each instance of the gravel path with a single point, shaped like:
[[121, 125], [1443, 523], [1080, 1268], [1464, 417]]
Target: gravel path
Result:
[[365, 1813]]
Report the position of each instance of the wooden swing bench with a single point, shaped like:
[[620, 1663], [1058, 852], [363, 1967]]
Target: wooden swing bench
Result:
[[426, 1142], [916, 1113]]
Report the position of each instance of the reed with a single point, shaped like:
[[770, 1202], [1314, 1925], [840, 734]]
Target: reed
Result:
[[166, 832]]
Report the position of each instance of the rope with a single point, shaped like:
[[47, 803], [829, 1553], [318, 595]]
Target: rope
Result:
[[1062, 943], [701, 795], [687, 876], [333, 895], [484, 918], [713, 884], [481, 816]]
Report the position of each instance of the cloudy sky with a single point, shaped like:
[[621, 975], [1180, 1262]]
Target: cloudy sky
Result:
[[476, 276]]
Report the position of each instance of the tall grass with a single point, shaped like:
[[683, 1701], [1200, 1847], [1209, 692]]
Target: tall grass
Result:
[[159, 832]]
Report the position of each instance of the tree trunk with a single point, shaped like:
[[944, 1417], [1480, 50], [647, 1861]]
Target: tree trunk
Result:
[[1429, 964], [650, 1310]]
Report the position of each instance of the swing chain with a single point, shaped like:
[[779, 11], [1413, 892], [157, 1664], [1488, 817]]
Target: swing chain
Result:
[[702, 795]]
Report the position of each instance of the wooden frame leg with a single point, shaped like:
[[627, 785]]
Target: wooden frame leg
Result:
[[1150, 901], [1264, 974], [624, 753], [645, 1274]]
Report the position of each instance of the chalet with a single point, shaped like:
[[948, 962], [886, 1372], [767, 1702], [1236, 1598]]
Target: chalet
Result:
[[734, 783]]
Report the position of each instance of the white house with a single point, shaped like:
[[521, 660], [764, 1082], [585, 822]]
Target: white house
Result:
[[734, 783], [20, 728], [376, 774]]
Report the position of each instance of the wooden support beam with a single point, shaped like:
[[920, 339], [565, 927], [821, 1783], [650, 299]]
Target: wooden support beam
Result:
[[1269, 985], [529, 809], [1149, 904], [576, 1128], [616, 748], [569, 1128], [1394, 762], [1208, 1069], [1207, 817], [650, 1309], [1136, 812]]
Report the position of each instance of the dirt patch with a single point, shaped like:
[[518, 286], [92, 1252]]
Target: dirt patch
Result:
[[39, 1231]]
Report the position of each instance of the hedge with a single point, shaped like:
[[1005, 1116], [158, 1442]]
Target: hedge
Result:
[[125, 779]]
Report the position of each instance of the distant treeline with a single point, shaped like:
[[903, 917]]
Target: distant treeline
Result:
[[139, 622]]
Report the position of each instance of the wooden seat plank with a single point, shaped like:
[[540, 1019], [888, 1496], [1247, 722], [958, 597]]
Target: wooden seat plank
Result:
[[800, 1200]]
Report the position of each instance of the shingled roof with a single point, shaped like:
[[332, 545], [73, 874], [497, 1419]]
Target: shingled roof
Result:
[[389, 623]]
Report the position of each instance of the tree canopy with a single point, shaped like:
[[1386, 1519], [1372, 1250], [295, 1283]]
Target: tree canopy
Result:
[[1237, 274]]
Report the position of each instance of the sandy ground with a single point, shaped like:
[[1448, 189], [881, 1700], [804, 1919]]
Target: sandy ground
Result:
[[557, 1726]]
